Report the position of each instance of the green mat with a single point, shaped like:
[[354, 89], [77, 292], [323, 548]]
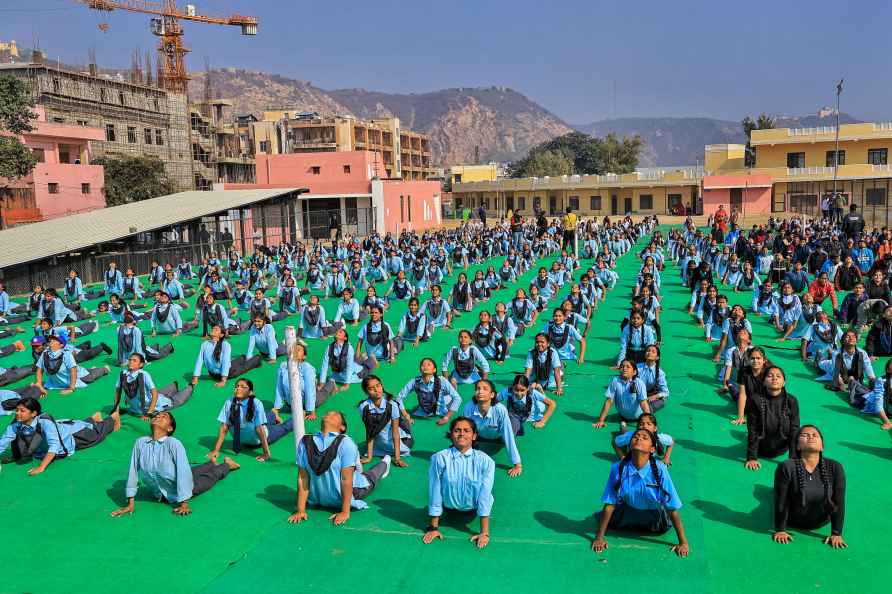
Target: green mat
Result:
[[237, 539]]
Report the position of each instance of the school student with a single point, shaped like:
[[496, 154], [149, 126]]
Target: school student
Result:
[[166, 318], [36, 435], [131, 340], [377, 337], [460, 478], [140, 394], [563, 335], [493, 422], [647, 421], [263, 338], [215, 354], [57, 368], [436, 397], [639, 496], [526, 404], [413, 326], [654, 378], [628, 392], [328, 461], [809, 491], [313, 395], [469, 363], [160, 462], [384, 429], [437, 311], [244, 416], [634, 339], [348, 309], [544, 367], [339, 362], [772, 422]]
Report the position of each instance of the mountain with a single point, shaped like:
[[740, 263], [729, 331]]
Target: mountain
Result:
[[503, 123], [672, 142]]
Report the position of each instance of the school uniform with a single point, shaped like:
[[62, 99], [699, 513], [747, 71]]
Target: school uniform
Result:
[[627, 396], [311, 399], [772, 425], [289, 299], [72, 291], [641, 499], [324, 469], [764, 302], [412, 327], [436, 312], [633, 343], [57, 368], [377, 421], [339, 364], [163, 466], [166, 319], [623, 440], [132, 286], [435, 398], [460, 481], [216, 367], [114, 282], [467, 364], [136, 390], [244, 431], [347, 311], [530, 408], [562, 337], [45, 435], [655, 383], [265, 342], [55, 310], [313, 323], [802, 503], [495, 425]]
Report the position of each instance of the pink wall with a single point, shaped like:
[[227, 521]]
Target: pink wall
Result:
[[296, 170], [417, 210], [756, 190], [70, 198]]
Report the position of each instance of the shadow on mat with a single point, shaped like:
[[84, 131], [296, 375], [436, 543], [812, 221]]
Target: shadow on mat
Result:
[[561, 524], [722, 409], [758, 520], [878, 451], [281, 496], [606, 456], [577, 416], [734, 453], [417, 518]]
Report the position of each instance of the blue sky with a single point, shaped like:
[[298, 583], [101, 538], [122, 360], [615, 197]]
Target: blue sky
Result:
[[689, 58]]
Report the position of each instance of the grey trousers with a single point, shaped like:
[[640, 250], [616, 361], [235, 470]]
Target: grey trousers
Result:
[[89, 437], [206, 475], [373, 476]]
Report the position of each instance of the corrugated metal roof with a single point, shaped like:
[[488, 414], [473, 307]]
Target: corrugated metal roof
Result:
[[37, 241]]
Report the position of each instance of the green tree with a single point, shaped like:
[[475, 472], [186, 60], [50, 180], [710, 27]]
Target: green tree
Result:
[[131, 179], [16, 160], [763, 122], [587, 155], [550, 163]]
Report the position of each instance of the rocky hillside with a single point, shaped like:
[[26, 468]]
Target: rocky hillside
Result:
[[503, 123]]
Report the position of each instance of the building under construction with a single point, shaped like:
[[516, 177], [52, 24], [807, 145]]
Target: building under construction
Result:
[[137, 119]]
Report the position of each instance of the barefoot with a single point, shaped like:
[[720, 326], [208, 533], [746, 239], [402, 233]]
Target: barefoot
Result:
[[232, 464], [97, 416], [117, 417]]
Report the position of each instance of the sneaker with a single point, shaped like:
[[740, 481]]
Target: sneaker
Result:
[[386, 461]]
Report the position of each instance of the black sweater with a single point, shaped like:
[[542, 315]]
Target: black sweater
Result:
[[788, 508], [765, 436]]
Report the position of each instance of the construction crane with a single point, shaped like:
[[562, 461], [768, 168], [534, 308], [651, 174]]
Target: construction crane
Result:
[[166, 25]]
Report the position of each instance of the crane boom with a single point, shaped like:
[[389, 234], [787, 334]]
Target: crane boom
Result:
[[171, 50]]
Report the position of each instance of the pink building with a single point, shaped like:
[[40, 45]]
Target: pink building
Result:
[[63, 181], [748, 194], [349, 186]]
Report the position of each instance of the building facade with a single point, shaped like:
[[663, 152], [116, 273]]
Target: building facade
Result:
[[404, 154], [218, 154], [62, 182], [135, 119]]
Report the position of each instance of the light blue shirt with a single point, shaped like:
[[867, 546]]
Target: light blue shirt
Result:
[[51, 436], [206, 359], [440, 320], [638, 489], [348, 311], [627, 396], [163, 467], [264, 341], [383, 444], [248, 431], [135, 404], [325, 490], [654, 379], [170, 325], [494, 425], [639, 339], [460, 481], [448, 400], [422, 324], [62, 379], [537, 411], [307, 387]]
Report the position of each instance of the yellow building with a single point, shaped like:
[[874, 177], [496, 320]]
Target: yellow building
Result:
[[473, 173], [405, 154]]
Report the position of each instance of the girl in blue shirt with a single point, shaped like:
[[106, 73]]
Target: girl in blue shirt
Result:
[[245, 417], [413, 326], [493, 422], [131, 285], [139, 391], [437, 311], [166, 317], [460, 478], [339, 362], [73, 291], [313, 395], [646, 421], [526, 404], [436, 396], [640, 496], [57, 368], [215, 354], [114, 280], [469, 363], [263, 338], [377, 337], [628, 392], [289, 297], [382, 417], [313, 323], [544, 367], [562, 336], [523, 311], [654, 378]]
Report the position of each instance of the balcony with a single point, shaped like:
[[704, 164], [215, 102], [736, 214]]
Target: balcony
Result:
[[325, 143]]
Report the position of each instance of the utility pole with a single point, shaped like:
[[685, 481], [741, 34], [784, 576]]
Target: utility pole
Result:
[[836, 152]]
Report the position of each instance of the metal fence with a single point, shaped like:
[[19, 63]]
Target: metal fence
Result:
[[193, 241]]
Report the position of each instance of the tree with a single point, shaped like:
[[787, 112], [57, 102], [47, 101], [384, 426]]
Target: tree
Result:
[[16, 160], [587, 155], [549, 163], [763, 122], [131, 179]]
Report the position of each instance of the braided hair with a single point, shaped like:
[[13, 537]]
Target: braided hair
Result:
[[234, 408], [824, 472], [784, 421], [655, 470]]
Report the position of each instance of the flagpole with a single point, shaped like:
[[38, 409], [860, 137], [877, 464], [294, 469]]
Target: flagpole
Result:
[[836, 152]]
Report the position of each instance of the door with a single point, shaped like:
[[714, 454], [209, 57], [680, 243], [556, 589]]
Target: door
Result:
[[552, 205], [627, 205], [737, 199], [509, 203], [317, 218], [674, 204], [614, 205]]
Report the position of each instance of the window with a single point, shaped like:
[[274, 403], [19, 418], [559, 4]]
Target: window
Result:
[[878, 156], [347, 169], [82, 122], [52, 188], [58, 120], [39, 153], [102, 95], [457, 178], [875, 196], [121, 97], [402, 209], [85, 188], [521, 203], [264, 146], [159, 139], [409, 207], [537, 203], [842, 158], [646, 202], [795, 160], [316, 170], [155, 103], [595, 203], [574, 202], [131, 134], [147, 134], [56, 85], [110, 132]]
